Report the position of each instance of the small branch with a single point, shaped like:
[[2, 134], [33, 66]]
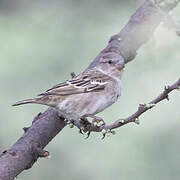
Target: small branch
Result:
[[25, 152], [138, 30], [144, 107], [134, 117]]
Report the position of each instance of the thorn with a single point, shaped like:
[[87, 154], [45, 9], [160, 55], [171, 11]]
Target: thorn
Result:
[[137, 121], [25, 129], [167, 97], [150, 105], [73, 75]]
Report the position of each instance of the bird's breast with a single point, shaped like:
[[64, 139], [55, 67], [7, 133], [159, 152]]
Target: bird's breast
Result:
[[79, 105]]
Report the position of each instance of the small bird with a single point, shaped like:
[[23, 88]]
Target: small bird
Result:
[[88, 93]]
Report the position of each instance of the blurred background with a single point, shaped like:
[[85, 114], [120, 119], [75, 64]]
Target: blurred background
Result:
[[43, 41]]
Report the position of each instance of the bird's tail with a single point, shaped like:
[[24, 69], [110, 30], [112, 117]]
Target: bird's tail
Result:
[[28, 101]]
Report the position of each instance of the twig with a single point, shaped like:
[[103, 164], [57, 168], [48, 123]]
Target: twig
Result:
[[134, 117], [144, 107]]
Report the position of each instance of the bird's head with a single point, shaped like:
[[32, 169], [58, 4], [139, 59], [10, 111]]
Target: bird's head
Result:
[[111, 64]]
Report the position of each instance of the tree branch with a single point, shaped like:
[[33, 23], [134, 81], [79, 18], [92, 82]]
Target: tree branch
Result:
[[107, 129], [25, 152], [138, 30]]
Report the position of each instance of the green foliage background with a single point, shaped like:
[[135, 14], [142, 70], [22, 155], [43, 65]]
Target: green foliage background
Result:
[[42, 42]]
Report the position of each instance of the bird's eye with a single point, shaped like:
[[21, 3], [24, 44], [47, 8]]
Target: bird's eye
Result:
[[110, 61]]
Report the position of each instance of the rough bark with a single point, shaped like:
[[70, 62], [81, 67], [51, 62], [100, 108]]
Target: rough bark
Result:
[[24, 153]]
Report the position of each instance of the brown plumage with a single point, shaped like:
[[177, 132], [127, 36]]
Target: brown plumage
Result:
[[88, 93]]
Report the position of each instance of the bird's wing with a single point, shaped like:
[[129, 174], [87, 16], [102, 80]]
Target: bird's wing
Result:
[[91, 80]]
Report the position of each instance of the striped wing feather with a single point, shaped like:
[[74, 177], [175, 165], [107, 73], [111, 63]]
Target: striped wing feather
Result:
[[89, 81]]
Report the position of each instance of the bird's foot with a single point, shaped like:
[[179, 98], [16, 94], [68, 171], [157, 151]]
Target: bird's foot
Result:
[[85, 126], [87, 134], [97, 121], [84, 122]]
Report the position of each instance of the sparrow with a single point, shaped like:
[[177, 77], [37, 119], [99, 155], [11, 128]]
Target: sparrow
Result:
[[88, 93]]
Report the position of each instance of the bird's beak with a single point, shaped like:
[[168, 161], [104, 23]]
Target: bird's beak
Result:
[[120, 66]]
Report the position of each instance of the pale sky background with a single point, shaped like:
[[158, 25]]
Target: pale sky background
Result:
[[42, 42]]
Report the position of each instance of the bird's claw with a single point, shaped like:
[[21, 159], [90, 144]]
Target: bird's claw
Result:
[[104, 135], [87, 134], [81, 131], [98, 122]]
